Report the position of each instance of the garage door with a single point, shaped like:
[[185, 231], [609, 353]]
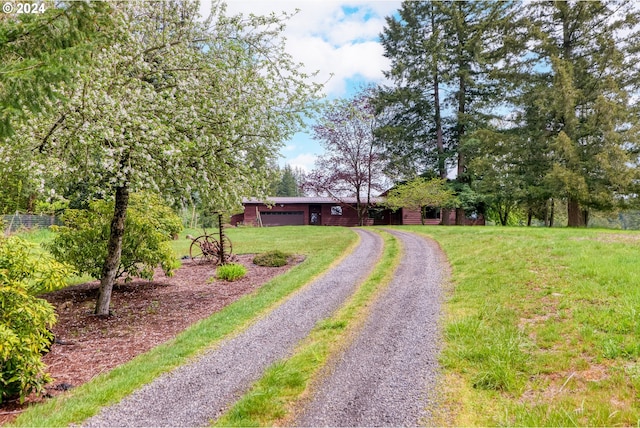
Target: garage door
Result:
[[282, 218]]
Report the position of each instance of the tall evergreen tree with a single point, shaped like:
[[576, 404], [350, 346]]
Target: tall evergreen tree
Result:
[[437, 47], [588, 51], [411, 127], [288, 184]]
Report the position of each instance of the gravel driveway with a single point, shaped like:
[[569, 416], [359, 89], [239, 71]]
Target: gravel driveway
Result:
[[194, 394], [387, 375]]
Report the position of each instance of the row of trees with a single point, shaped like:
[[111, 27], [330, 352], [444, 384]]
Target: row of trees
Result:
[[525, 104]]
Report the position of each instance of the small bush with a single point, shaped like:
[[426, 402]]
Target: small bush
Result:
[[150, 225], [25, 319], [231, 272], [272, 259]]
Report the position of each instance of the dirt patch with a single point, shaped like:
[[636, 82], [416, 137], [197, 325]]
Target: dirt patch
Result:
[[144, 315]]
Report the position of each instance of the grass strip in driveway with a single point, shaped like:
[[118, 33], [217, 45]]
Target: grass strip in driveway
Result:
[[284, 383], [323, 247]]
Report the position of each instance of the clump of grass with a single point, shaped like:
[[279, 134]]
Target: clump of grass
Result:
[[274, 258], [231, 272]]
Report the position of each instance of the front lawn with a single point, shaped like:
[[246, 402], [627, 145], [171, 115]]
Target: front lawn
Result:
[[542, 326]]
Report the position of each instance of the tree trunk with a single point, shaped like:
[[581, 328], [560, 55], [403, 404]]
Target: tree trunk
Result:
[[114, 250], [446, 217], [442, 169], [460, 216], [529, 217], [585, 217], [504, 216], [546, 212], [462, 108], [553, 212], [575, 213]]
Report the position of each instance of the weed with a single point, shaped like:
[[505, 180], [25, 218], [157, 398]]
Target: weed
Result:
[[153, 307], [274, 258]]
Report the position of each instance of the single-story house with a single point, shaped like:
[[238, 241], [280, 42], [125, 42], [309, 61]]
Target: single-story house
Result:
[[323, 211]]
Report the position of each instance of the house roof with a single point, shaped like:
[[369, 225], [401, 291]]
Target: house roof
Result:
[[306, 200]]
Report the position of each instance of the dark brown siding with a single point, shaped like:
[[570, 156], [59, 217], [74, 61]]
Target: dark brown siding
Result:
[[349, 216], [410, 216], [299, 213], [282, 218], [237, 219], [300, 217]]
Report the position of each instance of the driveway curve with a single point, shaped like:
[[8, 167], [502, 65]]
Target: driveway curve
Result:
[[194, 394], [387, 375]]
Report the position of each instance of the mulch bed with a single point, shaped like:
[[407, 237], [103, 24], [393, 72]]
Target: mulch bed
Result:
[[144, 315]]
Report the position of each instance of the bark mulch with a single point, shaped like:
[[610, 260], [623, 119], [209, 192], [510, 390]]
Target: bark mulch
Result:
[[144, 315]]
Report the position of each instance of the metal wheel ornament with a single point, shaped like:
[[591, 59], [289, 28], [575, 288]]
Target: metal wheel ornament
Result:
[[204, 248]]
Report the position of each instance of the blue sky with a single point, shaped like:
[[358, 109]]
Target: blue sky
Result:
[[339, 39]]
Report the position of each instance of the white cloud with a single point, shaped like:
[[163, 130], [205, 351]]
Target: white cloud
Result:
[[335, 38], [304, 161], [336, 65], [338, 39]]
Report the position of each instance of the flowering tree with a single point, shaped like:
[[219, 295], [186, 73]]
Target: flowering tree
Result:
[[352, 165], [39, 51], [177, 105]]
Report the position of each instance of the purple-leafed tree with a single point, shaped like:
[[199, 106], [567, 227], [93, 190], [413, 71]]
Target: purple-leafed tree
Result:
[[351, 165]]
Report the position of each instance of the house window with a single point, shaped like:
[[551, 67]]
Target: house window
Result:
[[336, 210], [376, 213], [431, 213]]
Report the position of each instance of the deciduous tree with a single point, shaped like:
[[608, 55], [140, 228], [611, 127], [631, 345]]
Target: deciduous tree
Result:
[[177, 105], [351, 165]]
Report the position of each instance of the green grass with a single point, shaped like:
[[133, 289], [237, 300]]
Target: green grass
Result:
[[542, 326], [541, 329], [284, 383], [322, 246]]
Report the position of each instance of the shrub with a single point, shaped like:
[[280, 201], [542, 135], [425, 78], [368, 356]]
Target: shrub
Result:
[[231, 272], [272, 258], [25, 320], [149, 226]]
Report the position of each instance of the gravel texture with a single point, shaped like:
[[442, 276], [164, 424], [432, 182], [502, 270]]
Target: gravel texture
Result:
[[194, 394], [387, 375]]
